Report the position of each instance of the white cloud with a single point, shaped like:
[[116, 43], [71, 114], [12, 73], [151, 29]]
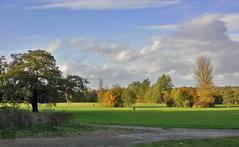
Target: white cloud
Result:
[[102, 4], [54, 46], [232, 21], [167, 27], [174, 55], [234, 37]]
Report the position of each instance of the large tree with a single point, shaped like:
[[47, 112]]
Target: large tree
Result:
[[140, 89], [34, 77], [160, 89], [204, 77]]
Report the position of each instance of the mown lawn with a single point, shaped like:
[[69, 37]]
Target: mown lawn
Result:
[[216, 142], [154, 115]]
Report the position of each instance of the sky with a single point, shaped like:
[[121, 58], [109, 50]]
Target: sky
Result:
[[122, 41]]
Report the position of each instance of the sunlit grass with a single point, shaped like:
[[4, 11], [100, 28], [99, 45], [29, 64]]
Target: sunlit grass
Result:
[[153, 115]]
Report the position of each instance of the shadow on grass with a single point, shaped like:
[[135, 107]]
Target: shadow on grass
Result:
[[45, 131]]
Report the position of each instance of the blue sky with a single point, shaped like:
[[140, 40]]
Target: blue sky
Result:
[[126, 40]]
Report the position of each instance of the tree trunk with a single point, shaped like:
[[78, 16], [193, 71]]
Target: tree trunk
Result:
[[35, 101]]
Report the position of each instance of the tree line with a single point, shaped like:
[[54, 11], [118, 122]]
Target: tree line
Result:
[[33, 77], [204, 94]]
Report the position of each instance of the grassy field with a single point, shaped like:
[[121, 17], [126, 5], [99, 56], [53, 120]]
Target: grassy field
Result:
[[219, 142], [154, 115]]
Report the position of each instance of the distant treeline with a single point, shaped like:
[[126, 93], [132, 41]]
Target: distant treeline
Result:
[[33, 77], [163, 92], [205, 94]]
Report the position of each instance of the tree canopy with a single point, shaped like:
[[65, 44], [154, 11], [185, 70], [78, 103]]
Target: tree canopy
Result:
[[33, 77]]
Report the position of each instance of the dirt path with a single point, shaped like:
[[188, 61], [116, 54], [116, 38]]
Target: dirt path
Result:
[[113, 136]]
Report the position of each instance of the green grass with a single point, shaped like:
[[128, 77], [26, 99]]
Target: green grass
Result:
[[154, 115], [216, 142], [151, 115]]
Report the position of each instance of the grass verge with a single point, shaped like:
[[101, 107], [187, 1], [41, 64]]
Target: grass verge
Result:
[[214, 142]]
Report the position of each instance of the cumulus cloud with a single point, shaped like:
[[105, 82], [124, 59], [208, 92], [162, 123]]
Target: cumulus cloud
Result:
[[174, 55], [112, 51], [102, 4], [206, 35], [232, 21]]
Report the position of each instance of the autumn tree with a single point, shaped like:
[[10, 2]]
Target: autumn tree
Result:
[[109, 99], [236, 96], [184, 96], [204, 78]]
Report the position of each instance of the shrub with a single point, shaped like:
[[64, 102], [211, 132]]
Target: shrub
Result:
[[18, 118], [169, 102], [14, 118], [51, 118], [109, 99], [184, 96], [205, 97], [112, 97], [202, 104]]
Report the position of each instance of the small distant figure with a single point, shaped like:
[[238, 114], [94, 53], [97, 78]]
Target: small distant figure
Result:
[[93, 105]]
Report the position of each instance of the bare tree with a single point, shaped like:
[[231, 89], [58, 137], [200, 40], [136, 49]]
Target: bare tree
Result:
[[204, 77], [101, 83], [203, 72]]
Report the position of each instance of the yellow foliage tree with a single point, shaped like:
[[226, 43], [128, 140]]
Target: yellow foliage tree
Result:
[[109, 99], [203, 75]]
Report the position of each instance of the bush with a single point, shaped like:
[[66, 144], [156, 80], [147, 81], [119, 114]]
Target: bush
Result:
[[169, 102], [202, 104], [53, 118], [18, 118], [183, 97], [112, 97], [14, 118]]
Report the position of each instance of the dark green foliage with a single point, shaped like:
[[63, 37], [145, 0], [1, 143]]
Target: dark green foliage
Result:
[[33, 77], [73, 86], [90, 95], [160, 90], [140, 89], [117, 92], [129, 97], [170, 102]]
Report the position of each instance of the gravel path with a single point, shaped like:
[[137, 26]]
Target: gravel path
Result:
[[114, 136]]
